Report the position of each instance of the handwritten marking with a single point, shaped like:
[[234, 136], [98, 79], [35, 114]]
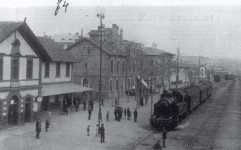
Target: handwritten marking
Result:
[[65, 5]]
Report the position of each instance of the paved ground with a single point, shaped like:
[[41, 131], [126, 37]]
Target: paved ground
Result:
[[69, 131], [226, 136]]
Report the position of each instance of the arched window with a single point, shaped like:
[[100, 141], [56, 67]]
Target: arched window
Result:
[[15, 68]]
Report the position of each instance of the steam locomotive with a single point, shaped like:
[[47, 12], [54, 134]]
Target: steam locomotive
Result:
[[176, 104]]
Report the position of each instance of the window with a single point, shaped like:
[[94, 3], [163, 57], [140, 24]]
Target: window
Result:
[[46, 74], [58, 69], [110, 86], [29, 73], [15, 68], [134, 66], [116, 84], [123, 66], [67, 69], [88, 49], [86, 65], [1, 68], [117, 66], [112, 66]]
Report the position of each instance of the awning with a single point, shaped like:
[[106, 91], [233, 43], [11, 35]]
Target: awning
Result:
[[62, 88]]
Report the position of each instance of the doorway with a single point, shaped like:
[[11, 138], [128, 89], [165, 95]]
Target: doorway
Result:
[[27, 116], [13, 111]]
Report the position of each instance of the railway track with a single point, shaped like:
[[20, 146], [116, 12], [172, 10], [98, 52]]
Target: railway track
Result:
[[203, 140], [190, 146]]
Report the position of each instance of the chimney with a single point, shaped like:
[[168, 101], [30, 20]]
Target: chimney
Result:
[[81, 32], [121, 34]]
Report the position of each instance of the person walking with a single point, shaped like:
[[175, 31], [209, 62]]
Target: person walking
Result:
[[107, 116], [135, 115], [102, 133], [88, 130], [89, 112], [119, 113], [125, 112], [76, 104], [47, 125], [128, 113], [157, 146], [91, 104], [164, 136], [38, 128]]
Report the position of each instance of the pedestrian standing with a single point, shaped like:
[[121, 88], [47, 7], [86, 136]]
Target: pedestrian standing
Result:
[[135, 115], [100, 115], [102, 102], [128, 113], [76, 104], [102, 133], [97, 130], [157, 146], [115, 113], [107, 116], [164, 137], [121, 112], [125, 112], [47, 125], [89, 112], [84, 105], [38, 128], [88, 130]]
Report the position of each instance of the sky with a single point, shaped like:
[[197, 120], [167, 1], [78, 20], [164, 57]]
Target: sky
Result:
[[200, 28]]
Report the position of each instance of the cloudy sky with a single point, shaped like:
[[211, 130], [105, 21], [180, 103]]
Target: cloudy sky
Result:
[[212, 30]]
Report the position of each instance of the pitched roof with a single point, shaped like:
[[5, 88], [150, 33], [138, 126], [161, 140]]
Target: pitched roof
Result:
[[7, 28], [155, 52], [110, 49], [55, 51]]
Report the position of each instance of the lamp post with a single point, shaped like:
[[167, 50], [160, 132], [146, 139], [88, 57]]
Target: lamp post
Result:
[[101, 16]]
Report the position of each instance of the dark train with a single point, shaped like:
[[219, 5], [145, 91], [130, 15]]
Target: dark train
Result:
[[217, 78], [176, 104], [229, 76]]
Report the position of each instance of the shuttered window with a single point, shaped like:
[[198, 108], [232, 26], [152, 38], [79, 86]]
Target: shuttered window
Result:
[[46, 74], [67, 69]]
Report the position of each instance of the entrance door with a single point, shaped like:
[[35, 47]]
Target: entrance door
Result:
[[27, 110], [45, 104], [13, 111]]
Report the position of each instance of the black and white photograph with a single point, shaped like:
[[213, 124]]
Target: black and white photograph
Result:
[[120, 75]]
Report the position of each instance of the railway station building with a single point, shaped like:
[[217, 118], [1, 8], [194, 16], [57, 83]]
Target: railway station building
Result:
[[30, 72]]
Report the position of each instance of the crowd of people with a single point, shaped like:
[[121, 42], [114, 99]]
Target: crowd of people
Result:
[[119, 113]]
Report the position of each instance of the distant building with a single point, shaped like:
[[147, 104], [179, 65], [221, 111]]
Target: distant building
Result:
[[66, 40]]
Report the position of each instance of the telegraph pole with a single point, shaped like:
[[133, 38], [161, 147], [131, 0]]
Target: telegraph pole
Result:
[[177, 77], [101, 16]]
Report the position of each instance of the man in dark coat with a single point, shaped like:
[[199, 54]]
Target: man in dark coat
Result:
[[84, 105], [38, 128], [89, 112], [157, 146], [135, 115], [164, 136], [76, 104], [121, 112], [47, 125], [102, 133], [91, 103], [125, 112], [116, 113], [128, 113]]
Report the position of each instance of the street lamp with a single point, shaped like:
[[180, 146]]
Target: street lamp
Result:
[[101, 16]]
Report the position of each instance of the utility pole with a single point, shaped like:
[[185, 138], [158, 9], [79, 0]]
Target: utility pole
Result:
[[101, 16], [118, 86], [177, 77]]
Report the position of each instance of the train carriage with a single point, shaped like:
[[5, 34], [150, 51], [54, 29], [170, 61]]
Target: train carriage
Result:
[[193, 93]]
